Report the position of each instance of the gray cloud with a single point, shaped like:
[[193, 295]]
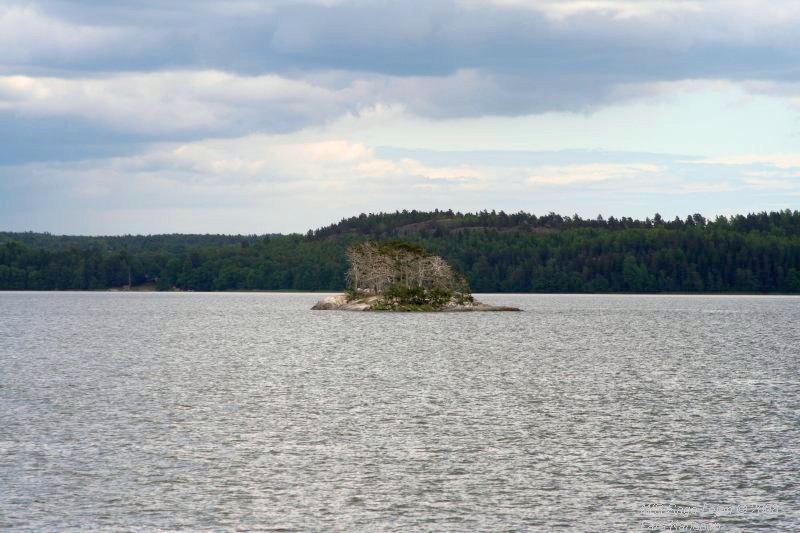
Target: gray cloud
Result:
[[193, 104], [100, 75], [667, 41]]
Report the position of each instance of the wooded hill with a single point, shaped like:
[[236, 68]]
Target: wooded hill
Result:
[[496, 252]]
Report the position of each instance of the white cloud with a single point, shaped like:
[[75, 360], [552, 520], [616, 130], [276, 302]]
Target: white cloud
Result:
[[782, 161], [260, 183], [597, 172], [243, 168], [214, 103], [172, 102], [326, 162], [295, 184], [771, 183]]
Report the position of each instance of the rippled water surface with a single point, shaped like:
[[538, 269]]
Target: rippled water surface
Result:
[[249, 411]]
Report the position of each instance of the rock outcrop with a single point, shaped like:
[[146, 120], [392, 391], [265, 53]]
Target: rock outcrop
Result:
[[340, 302]]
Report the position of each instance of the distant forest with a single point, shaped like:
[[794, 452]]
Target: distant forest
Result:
[[497, 252]]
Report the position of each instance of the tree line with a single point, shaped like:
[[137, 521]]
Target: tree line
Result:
[[494, 251]]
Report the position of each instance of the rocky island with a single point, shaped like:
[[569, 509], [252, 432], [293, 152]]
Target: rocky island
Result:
[[400, 276]]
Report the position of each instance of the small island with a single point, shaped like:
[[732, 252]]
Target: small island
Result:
[[401, 276]]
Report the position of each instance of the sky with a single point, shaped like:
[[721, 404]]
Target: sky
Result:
[[246, 116]]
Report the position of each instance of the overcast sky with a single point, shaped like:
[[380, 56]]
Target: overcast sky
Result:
[[246, 116]]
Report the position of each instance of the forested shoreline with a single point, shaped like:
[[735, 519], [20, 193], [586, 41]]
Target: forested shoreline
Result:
[[495, 251]]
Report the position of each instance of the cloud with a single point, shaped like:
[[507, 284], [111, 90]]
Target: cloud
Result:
[[244, 104], [159, 103], [620, 9], [597, 172], [221, 167], [771, 184], [688, 22], [474, 93], [267, 177], [242, 168], [166, 71], [787, 91], [29, 37], [189, 104], [265, 183], [782, 161], [609, 41]]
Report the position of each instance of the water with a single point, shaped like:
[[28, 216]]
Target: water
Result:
[[249, 411]]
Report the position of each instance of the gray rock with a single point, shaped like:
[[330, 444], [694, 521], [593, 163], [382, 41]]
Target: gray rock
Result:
[[330, 303], [339, 302]]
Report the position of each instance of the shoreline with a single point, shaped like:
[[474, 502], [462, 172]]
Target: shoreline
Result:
[[146, 290]]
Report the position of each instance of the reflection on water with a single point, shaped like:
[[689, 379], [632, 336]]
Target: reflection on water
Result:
[[251, 411]]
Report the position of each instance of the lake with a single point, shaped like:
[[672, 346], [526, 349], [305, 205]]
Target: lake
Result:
[[249, 411]]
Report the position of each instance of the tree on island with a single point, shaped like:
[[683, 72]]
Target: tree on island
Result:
[[403, 274]]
